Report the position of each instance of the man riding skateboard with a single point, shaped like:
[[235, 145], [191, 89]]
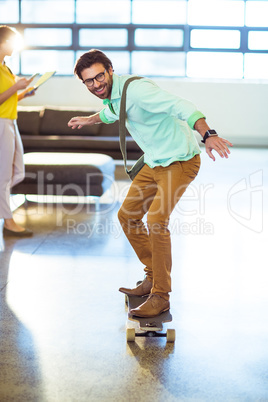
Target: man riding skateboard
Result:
[[161, 123]]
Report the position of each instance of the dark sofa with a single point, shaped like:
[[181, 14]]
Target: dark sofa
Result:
[[45, 129]]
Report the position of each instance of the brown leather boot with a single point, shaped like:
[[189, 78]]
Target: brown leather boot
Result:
[[141, 290], [153, 306]]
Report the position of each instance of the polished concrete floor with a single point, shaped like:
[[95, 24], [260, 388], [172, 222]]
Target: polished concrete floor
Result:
[[63, 321]]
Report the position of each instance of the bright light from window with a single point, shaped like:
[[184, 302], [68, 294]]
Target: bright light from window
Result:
[[102, 11], [17, 42], [102, 37], [214, 65], [47, 60], [13, 62], [159, 37], [159, 12], [9, 12], [216, 13], [257, 13], [159, 63], [256, 66], [215, 38], [48, 36], [49, 11], [258, 40], [143, 36]]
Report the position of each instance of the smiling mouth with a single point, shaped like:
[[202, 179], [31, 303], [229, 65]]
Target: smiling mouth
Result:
[[100, 90]]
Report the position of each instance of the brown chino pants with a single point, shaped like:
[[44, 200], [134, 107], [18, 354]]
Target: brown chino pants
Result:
[[155, 192]]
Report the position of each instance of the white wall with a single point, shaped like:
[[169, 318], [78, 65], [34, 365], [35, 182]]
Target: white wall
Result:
[[237, 109]]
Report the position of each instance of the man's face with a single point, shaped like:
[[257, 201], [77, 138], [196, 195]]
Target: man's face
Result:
[[101, 89]]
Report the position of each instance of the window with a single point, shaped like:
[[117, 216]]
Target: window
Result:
[[170, 38], [103, 11], [215, 65], [48, 37], [257, 13], [256, 65], [47, 11], [213, 39], [159, 37], [159, 63], [258, 40], [159, 12], [9, 12], [102, 37], [47, 60], [13, 63], [216, 13]]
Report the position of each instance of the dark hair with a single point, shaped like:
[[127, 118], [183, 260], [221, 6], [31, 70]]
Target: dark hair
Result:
[[6, 32], [89, 58]]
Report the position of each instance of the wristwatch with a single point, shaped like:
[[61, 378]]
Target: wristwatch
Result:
[[209, 133]]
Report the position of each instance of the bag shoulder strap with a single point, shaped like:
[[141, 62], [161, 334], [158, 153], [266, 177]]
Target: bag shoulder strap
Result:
[[122, 120]]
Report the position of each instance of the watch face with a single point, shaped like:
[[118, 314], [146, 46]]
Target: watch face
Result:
[[211, 132]]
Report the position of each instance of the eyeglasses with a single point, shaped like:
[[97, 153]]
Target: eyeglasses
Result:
[[99, 77]]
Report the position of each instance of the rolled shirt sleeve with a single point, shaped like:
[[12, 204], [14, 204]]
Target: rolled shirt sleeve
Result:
[[194, 117], [106, 116]]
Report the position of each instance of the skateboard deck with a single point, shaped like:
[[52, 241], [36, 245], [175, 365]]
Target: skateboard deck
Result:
[[148, 326]]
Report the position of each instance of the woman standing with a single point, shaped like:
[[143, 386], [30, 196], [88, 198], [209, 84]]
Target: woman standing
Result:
[[11, 148]]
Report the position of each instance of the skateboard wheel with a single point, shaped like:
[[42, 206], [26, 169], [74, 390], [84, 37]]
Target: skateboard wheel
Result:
[[171, 335], [130, 334]]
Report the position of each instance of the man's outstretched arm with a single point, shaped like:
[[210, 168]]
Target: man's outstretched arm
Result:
[[80, 121]]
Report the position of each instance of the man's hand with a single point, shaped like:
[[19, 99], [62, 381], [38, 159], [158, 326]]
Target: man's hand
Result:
[[220, 145], [81, 121]]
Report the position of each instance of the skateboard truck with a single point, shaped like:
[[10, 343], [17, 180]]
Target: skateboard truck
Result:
[[150, 326]]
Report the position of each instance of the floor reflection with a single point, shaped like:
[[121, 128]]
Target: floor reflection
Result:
[[63, 320]]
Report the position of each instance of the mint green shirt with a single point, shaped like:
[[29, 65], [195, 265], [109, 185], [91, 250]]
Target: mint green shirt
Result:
[[158, 121]]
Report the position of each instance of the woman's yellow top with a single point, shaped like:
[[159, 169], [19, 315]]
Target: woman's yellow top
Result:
[[8, 109]]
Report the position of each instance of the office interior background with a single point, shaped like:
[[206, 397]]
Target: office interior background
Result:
[[214, 53], [201, 50]]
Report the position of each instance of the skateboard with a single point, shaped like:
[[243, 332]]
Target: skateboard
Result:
[[151, 326]]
